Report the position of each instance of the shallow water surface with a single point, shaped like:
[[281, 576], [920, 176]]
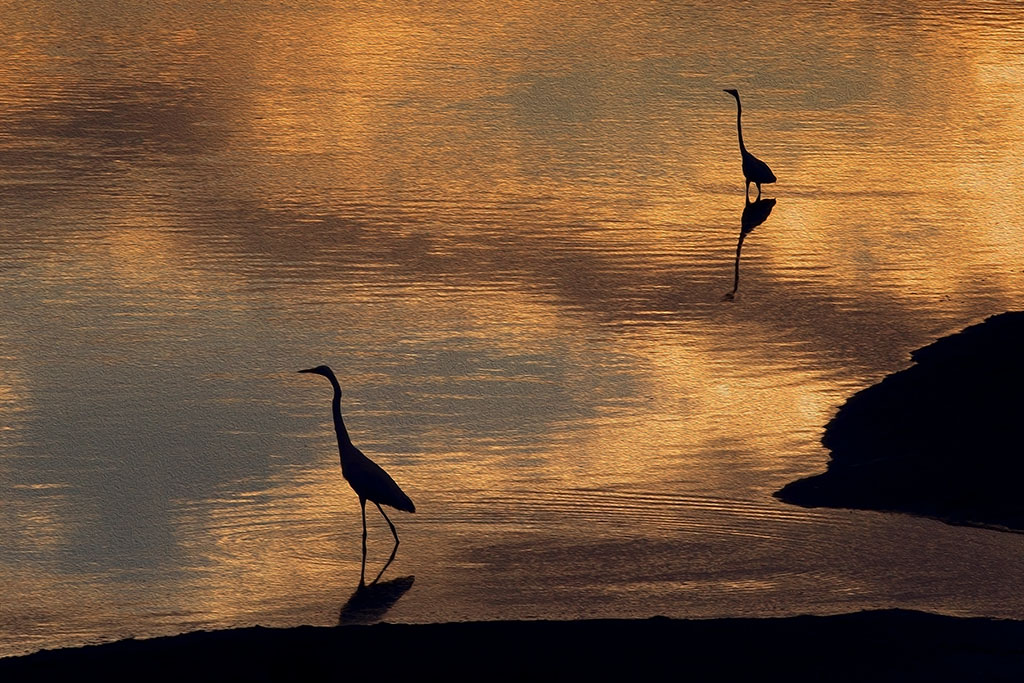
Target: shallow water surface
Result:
[[511, 230]]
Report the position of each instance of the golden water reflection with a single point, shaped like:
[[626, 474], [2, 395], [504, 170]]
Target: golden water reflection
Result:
[[509, 232]]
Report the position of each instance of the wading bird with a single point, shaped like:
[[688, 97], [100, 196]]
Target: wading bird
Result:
[[754, 170], [367, 478]]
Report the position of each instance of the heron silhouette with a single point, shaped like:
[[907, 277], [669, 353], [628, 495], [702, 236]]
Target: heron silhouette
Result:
[[367, 478], [754, 170]]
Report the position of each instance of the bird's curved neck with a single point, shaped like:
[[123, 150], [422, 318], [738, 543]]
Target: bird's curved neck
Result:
[[339, 424], [739, 123]]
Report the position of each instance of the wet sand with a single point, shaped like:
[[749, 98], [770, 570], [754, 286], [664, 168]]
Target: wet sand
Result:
[[940, 439], [887, 645]]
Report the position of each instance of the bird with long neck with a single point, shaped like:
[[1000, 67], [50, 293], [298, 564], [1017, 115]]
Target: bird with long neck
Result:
[[754, 170], [367, 478]]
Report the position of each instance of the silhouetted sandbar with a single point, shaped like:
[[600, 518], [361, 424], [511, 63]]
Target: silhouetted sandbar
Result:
[[942, 438], [877, 645]]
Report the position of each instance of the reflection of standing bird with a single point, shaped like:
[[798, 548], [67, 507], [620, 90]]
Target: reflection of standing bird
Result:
[[369, 603], [754, 214], [754, 170], [367, 478]]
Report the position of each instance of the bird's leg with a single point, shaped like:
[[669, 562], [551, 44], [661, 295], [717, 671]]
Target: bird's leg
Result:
[[362, 570], [393, 532], [746, 188]]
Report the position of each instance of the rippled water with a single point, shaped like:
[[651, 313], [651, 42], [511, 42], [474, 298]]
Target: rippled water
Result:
[[510, 229]]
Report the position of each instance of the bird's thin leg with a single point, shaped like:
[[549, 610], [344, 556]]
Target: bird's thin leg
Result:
[[747, 189], [393, 532], [362, 569]]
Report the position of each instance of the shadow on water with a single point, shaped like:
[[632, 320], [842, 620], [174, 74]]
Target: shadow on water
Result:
[[362, 568], [371, 602], [754, 214]]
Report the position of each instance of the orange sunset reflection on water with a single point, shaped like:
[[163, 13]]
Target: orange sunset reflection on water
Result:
[[510, 231]]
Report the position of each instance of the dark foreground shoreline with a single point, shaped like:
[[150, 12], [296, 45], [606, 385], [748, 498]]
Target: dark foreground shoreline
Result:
[[887, 645], [943, 438]]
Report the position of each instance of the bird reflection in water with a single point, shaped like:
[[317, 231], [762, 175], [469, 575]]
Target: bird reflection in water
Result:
[[754, 214], [371, 602]]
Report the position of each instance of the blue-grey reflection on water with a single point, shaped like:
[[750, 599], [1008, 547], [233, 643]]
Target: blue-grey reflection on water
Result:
[[509, 235]]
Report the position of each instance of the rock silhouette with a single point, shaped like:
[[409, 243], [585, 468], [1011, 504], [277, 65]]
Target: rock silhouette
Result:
[[942, 438]]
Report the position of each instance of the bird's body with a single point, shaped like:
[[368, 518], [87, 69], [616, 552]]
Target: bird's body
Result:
[[754, 170], [367, 478], [370, 481]]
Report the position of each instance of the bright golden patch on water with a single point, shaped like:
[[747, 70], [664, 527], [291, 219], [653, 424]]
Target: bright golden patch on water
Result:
[[511, 232]]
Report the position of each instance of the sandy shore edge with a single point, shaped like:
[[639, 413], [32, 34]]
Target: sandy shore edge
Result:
[[872, 645], [940, 438]]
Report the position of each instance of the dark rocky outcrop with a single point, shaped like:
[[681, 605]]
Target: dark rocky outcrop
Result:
[[943, 438]]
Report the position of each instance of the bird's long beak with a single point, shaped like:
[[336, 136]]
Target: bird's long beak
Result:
[[308, 370]]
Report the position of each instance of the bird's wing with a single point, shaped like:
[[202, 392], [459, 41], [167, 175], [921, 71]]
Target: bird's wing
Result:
[[371, 481]]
